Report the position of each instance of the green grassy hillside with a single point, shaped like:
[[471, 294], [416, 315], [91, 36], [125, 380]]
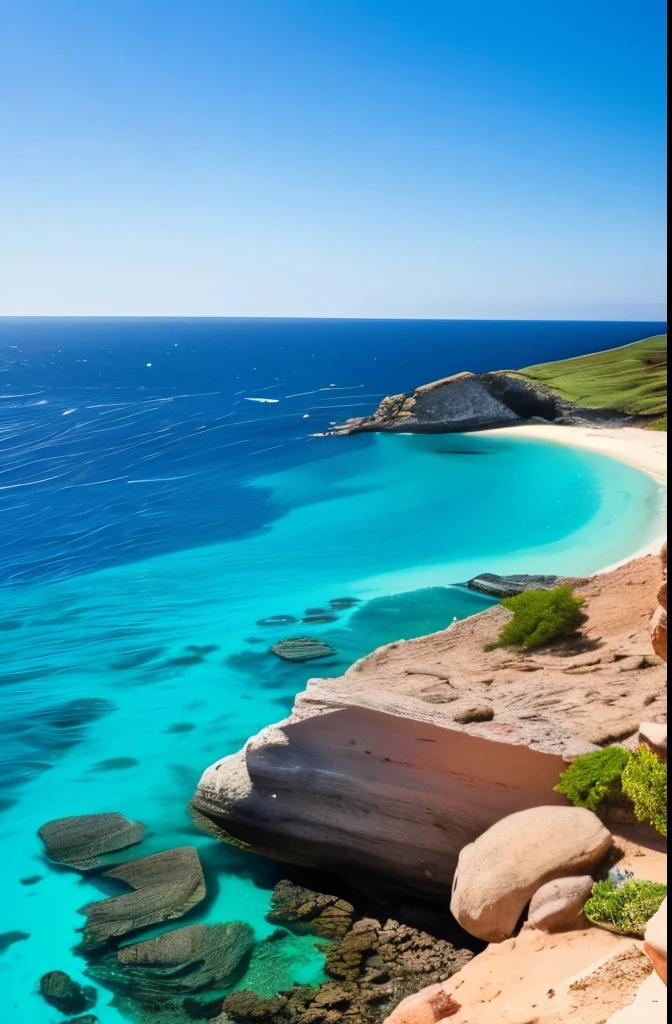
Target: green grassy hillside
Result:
[[631, 379]]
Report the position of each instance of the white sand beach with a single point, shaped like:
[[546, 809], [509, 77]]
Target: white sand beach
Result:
[[644, 449]]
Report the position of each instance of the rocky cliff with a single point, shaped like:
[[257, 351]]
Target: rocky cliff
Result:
[[390, 770], [470, 401]]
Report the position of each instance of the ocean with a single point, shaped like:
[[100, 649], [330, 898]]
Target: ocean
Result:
[[162, 497]]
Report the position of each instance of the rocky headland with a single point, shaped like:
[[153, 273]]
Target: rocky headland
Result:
[[619, 387]]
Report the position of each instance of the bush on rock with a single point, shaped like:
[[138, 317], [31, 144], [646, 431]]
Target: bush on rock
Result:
[[593, 778], [540, 616], [625, 908], [645, 782]]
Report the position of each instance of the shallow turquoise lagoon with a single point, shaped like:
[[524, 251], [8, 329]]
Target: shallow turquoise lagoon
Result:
[[394, 523]]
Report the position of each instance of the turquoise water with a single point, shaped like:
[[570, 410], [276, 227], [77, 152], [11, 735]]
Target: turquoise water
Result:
[[378, 522]]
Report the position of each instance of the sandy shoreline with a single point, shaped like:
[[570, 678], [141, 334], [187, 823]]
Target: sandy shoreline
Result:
[[646, 450]]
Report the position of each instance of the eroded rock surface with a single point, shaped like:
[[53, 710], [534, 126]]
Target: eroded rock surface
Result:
[[179, 963], [309, 912], [374, 965], [166, 885], [82, 841], [65, 994]]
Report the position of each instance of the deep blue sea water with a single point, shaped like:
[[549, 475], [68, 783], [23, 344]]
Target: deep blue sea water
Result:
[[160, 494]]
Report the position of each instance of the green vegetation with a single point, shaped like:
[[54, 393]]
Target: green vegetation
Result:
[[645, 782], [631, 379], [593, 778], [625, 908], [540, 616]]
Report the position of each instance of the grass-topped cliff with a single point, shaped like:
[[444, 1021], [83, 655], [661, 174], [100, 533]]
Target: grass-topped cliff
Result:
[[624, 386], [631, 379]]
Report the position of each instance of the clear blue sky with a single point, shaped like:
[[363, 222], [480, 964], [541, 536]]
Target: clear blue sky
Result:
[[389, 158]]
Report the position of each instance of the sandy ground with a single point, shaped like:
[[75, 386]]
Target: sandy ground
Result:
[[646, 450]]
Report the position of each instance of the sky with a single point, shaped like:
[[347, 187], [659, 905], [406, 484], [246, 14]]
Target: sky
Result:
[[333, 158]]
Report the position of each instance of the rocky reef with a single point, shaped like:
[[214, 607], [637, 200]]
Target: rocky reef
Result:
[[478, 401]]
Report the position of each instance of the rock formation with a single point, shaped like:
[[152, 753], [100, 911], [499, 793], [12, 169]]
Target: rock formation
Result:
[[498, 874], [82, 842], [509, 586], [66, 995], [308, 912], [476, 401], [189, 960], [370, 967], [166, 885], [373, 774], [302, 648]]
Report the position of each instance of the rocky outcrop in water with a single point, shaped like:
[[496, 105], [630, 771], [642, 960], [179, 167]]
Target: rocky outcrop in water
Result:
[[83, 841], [309, 912], [370, 968], [510, 586], [66, 995], [166, 885], [302, 648], [190, 960], [476, 401]]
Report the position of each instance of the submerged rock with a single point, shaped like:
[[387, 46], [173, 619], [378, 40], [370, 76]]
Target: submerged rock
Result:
[[166, 885], [8, 939], [498, 873], [66, 995], [343, 603], [277, 620], [322, 617], [309, 912], [370, 968], [82, 841], [302, 648], [183, 962]]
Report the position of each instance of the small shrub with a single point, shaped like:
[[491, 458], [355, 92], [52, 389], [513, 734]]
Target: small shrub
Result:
[[625, 908], [593, 778], [645, 783], [540, 616]]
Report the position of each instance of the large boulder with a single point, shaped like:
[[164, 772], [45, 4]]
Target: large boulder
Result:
[[499, 873], [83, 841], [166, 885], [558, 905], [655, 941]]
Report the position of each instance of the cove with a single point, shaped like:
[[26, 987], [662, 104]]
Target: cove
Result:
[[120, 686]]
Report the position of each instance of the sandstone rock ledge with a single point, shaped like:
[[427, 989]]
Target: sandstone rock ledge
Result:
[[391, 769]]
